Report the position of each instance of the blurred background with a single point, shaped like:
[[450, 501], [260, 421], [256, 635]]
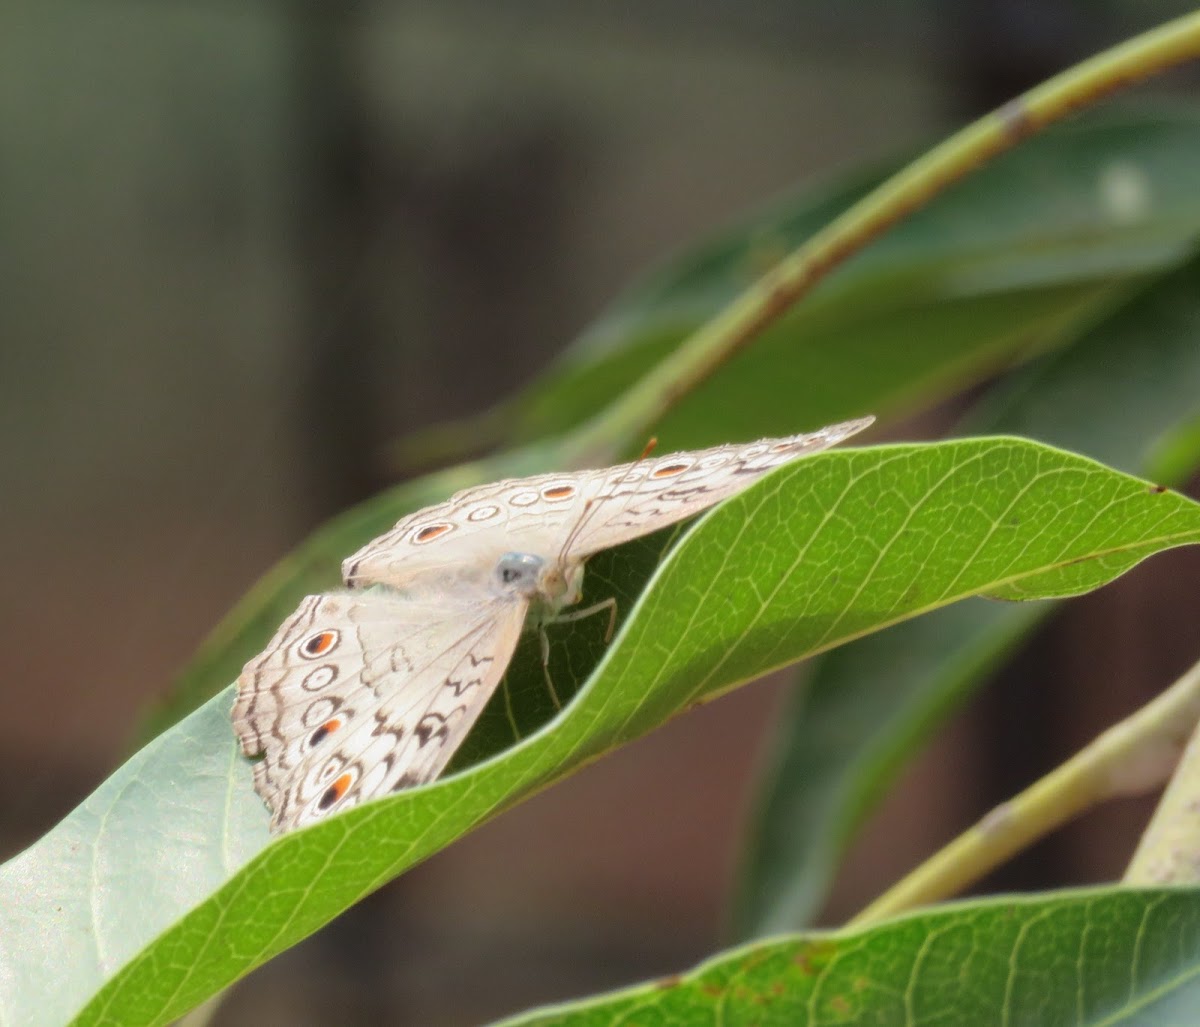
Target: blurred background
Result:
[[245, 247]]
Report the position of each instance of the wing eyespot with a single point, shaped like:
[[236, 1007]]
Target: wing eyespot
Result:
[[483, 513], [671, 470], [321, 711], [557, 492], [321, 677], [324, 731], [429, 532], [319, 644], [336, 791]]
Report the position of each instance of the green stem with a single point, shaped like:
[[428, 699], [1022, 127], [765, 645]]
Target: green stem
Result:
[[1132, 757], [720, 339], [1169, 852]]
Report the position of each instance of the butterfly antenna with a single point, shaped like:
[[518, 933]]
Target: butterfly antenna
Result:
[[591, 506]]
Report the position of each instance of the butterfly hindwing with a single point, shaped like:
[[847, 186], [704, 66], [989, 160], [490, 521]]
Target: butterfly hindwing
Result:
[[360, 694]]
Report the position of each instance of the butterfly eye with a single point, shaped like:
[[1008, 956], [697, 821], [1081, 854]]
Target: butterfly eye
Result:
[[318, 644], [324, 731], [336, 790], [670, 470], [430, 532]]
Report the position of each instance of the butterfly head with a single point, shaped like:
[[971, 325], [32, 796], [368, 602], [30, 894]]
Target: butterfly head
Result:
[[520, 573], [537, 578]]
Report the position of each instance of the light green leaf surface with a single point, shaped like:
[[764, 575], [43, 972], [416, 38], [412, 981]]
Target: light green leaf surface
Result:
[[1125, 393], [825, 550], [1083, 957]]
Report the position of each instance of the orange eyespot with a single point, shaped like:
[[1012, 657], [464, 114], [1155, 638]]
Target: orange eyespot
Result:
[[324, 731], [559, 492], [336, 790], [432, 531], [319, 644], [669, 471]]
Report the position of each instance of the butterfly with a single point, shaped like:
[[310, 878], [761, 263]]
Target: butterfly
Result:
[[370, 690]]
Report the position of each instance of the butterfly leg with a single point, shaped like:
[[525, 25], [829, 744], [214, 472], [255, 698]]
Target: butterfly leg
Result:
[[609, 604], [544, 639]]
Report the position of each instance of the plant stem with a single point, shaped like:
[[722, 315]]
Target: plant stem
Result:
[[1131, 757], [1169, 852], [721, 338]]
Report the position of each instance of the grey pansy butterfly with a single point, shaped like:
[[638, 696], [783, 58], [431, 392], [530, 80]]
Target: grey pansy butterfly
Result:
[[371, 690]]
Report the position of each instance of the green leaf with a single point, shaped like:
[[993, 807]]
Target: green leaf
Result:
[[824, 550], [1018, 256], [168, 829], [1126, 393], [1085, 957], [940, 303]]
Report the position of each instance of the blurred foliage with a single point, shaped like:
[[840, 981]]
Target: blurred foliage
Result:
[[1067, 271]]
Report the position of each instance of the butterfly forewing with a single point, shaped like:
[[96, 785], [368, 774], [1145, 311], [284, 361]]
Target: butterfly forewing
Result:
[[638, 498], [581, 512], [460, 540]]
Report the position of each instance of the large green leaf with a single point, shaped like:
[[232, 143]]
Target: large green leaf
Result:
[[1083, 957], [1127, 393], [825, 550], [1012, 260]]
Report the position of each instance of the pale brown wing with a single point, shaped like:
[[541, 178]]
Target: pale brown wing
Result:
[[639, 498], [571, 515], [359, 695]]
